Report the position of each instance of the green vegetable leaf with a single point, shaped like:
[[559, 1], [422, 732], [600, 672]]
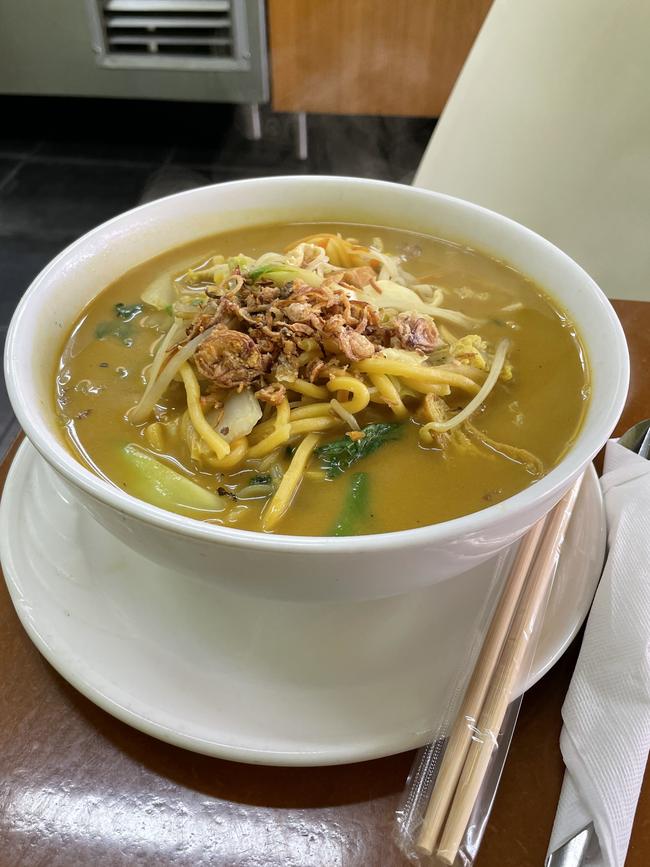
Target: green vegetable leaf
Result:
[[339, 455], [355, 506], [127, 311], [261, 480], [281, 273], [255, 273], [240, 261]]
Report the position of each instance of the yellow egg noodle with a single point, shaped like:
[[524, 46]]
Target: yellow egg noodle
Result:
[[278, 351]]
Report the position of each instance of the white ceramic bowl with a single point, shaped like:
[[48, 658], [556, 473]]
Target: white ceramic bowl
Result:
[[289, 566]]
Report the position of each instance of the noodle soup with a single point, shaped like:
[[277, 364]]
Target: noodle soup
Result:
[[322, 380]]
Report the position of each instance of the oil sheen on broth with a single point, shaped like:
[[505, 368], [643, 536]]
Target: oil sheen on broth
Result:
[[405, 484]]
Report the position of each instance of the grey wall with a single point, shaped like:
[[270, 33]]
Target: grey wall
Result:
[[45, 48]]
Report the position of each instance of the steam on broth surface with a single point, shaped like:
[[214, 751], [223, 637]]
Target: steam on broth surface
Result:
[[285, 379]]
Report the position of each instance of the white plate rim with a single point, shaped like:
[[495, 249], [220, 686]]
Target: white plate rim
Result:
[[70, 667]]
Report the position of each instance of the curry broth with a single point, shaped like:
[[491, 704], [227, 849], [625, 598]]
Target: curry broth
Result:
[[540, 409]]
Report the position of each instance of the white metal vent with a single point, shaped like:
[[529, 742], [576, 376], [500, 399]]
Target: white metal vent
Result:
[[171, 34]]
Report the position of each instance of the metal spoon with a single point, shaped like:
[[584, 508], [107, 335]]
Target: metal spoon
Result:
[[573, 852], [637, 438]]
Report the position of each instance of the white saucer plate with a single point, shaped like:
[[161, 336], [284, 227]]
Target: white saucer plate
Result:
[[248, 679]]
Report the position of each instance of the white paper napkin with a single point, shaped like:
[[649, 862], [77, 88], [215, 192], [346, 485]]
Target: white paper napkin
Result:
[[606, 733]]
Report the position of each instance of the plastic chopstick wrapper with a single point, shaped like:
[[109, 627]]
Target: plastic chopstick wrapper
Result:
[[454, 779]]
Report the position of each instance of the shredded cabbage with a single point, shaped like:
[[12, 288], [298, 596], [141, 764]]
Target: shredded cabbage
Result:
[[241, 412], [158, 484], [160, 294], [393, 296]]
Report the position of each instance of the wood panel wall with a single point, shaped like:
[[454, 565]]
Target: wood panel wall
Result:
[[386, 57]]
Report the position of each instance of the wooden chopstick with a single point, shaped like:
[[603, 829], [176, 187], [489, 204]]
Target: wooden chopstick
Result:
[[504, 680], [468, 713]]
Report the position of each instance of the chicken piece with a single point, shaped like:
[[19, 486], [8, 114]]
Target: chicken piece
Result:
[[355, 346], [338, 337], [208, 317], [228, 358], [273, 393], [416, 331]]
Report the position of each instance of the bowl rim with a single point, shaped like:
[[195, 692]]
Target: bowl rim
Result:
[[549, 486]]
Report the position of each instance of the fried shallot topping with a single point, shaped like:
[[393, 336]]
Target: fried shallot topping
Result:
[[274, 393], [263, 334], [229, 358]]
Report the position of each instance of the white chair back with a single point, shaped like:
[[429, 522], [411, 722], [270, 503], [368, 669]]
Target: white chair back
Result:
[[549, 123]]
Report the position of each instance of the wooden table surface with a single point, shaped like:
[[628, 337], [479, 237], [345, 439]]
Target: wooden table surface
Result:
[[77, 787]]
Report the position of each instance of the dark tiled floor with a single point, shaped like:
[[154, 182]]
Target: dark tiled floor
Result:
[[22, 256], [104, 152], [8, 166], [387, 148], [80, 162], [17, 147], [58, 200]]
